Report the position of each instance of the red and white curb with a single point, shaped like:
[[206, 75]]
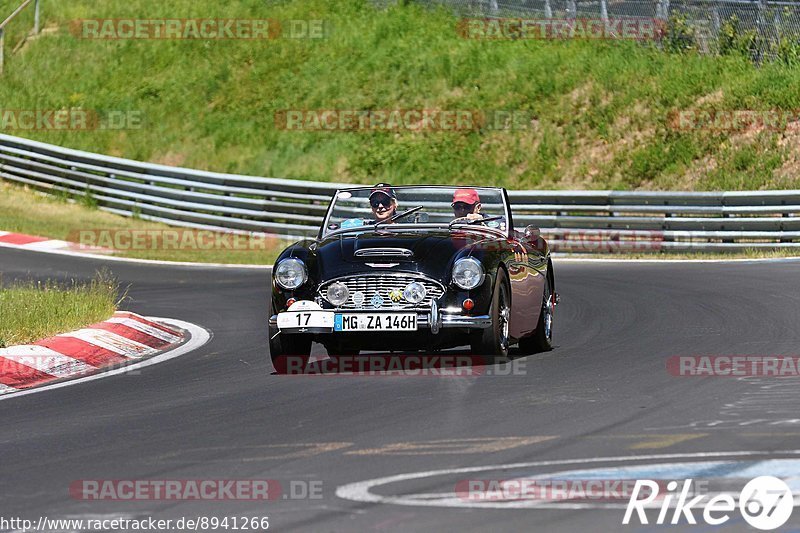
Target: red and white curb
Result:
[[73, 249], [30, 242], [122, 343]]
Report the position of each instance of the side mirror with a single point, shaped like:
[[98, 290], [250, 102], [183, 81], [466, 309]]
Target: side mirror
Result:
[[532, 233]]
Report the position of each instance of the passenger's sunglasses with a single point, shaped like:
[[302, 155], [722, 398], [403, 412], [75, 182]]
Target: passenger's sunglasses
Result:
[[462, 206], [384, 201]]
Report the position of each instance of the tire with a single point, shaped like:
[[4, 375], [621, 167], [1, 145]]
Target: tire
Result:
[[492, 343], [542, 338], [289, 352]]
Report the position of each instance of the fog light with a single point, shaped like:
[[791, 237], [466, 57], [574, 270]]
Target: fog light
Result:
[[468, 304], [414, 292], [290, 301], [337, 293]]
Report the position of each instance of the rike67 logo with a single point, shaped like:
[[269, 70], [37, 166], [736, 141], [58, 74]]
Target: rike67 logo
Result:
[[765, 503]]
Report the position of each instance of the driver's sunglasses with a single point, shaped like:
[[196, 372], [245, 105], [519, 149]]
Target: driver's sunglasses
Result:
[[462, 206], [385, 202]]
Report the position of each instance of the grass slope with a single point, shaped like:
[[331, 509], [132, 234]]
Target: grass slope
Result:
[[33, 311], [600, 109]]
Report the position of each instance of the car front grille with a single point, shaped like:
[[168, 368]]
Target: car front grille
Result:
[[382, 285]]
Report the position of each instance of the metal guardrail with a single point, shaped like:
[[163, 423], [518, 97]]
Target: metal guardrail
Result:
[[9, 19], [581, 221]]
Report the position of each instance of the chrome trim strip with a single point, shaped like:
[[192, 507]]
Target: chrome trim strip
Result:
[[476, 322], [420, 227], [435, 318], [384, 252]]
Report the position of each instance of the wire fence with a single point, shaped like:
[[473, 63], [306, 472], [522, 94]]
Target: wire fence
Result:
[[19, 32], [764, 30]]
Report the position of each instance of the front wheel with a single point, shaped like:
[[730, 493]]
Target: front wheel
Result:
[[542, 338], [289, 352], [492, 342]]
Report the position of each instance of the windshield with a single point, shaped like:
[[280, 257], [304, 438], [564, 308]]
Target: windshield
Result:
[[390, 208]]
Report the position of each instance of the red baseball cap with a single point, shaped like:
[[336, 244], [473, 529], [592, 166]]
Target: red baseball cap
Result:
[[468, 196]]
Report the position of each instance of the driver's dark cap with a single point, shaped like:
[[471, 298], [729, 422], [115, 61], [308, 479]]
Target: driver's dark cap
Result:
[[383, 188]]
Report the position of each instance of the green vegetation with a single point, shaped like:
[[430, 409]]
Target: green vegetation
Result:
[[601, 113], [36, 310], [23, 211]]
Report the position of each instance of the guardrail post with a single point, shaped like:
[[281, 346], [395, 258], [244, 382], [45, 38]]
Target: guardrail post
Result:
[[36, 17], [2, 47]]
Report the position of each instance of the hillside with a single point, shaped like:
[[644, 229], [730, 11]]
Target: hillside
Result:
[[594, 114]]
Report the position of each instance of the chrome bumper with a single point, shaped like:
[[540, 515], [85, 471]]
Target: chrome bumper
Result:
[[424, 321]]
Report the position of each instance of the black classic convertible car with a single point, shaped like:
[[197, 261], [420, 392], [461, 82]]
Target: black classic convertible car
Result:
[[414, 268]]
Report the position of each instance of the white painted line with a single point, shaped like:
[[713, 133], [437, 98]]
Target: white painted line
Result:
[[144, 328], [111, 341], [5, 389], [3, 233], [101, 257], [45, 245], [199, 337], [360, 490], [562, 259], [44, 360]]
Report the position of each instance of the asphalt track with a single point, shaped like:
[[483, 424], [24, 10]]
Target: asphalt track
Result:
[[218, 413]]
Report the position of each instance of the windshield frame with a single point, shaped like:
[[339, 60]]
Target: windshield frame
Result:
[[426, 225]]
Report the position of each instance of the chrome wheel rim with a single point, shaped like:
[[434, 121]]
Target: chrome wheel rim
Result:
[[547, 309], [503, 315]]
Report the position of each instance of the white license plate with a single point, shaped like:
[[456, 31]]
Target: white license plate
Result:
[[305, 319], [375, 322]]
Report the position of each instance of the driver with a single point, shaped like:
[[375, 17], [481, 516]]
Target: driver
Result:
[[467, 204], [383, 202]]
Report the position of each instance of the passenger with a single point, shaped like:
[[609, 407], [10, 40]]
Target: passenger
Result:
[[467, 204]]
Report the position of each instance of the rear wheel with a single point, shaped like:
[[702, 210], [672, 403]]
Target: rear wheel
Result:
[[542, 339], [289, 352], [492, 342]]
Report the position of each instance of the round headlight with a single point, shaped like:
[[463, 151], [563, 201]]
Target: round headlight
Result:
[[290, 273], [337, 293], [468, 273], [414, 292]]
